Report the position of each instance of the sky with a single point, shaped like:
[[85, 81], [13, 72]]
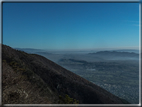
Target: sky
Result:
[[71, 26]]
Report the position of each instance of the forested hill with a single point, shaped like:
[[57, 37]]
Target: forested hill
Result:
[[33, 79]]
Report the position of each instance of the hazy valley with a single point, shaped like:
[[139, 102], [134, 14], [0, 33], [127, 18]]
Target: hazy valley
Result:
[[116, 71]]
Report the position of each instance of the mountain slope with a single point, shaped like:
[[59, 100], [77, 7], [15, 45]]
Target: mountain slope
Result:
[[31, 78]]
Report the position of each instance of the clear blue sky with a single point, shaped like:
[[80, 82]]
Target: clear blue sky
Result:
[[71, 25]]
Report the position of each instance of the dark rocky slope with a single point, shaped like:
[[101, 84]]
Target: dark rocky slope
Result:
[[31, 78]]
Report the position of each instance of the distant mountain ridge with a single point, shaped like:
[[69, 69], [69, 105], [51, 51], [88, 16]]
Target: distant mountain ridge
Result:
[[116, 55], [114, 52], [86, 51], [31, 78]]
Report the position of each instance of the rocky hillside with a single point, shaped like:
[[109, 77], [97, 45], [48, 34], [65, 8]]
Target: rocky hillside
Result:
[[33, 79]]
